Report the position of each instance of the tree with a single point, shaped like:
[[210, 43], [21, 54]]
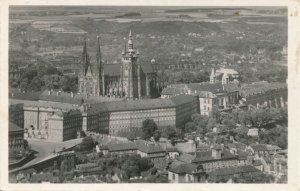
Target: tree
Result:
[[157, 135], [211, 124], [190, 127], [148, 129]]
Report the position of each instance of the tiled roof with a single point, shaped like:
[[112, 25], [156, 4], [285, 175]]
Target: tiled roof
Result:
[[257, 163], [202, 89], [55, 105], [242, 155], [259, 147], [207, 156], [122, 147], [13, 127], [260, 87], [238, 145], [188, 158], [139, 104], [184, 169], [148, 148], [172, 149], [234, 170]]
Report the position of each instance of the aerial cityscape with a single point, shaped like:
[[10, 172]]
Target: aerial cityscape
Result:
[[156, 94]]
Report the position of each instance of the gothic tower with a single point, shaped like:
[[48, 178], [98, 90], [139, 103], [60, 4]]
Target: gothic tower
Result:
[[87, 80], [130, 72], [100, 69]]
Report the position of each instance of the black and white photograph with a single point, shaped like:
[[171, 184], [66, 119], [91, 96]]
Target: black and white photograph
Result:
[[148, 94]]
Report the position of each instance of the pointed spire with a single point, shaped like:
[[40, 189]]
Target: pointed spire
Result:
[[130, 34], [98, 53], [85, 57], [130, 43]]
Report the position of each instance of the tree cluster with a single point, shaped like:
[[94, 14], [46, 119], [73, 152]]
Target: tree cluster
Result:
[[44, 78]]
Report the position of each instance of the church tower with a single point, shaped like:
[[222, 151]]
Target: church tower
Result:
[[87, 80], [212, 76], [130, 71], [100, 69]]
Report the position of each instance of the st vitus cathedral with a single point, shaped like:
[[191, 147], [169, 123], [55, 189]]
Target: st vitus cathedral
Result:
[[129, 79]]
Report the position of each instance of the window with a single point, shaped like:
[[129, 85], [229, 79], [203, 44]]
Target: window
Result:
[[173, 176]]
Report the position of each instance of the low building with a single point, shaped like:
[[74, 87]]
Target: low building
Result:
[[152, 151], [122, 148], [186, 173]]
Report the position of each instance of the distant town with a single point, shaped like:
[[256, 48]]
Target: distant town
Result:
[[147, 95]]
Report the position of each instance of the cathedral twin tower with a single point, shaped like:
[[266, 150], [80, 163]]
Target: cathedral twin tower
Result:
[[129, 79]]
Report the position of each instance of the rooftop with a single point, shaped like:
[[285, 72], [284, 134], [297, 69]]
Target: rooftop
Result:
[[122, 147], [148, 148], [185, 169], [234, 170]]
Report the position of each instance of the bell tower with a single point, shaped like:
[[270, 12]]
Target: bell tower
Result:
[[130, 74]]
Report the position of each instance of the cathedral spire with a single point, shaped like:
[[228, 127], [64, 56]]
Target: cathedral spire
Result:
[[85, 58], [98, 53], [130, 43]]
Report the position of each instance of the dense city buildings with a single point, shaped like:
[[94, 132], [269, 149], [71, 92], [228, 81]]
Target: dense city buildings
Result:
[[178, 101]]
